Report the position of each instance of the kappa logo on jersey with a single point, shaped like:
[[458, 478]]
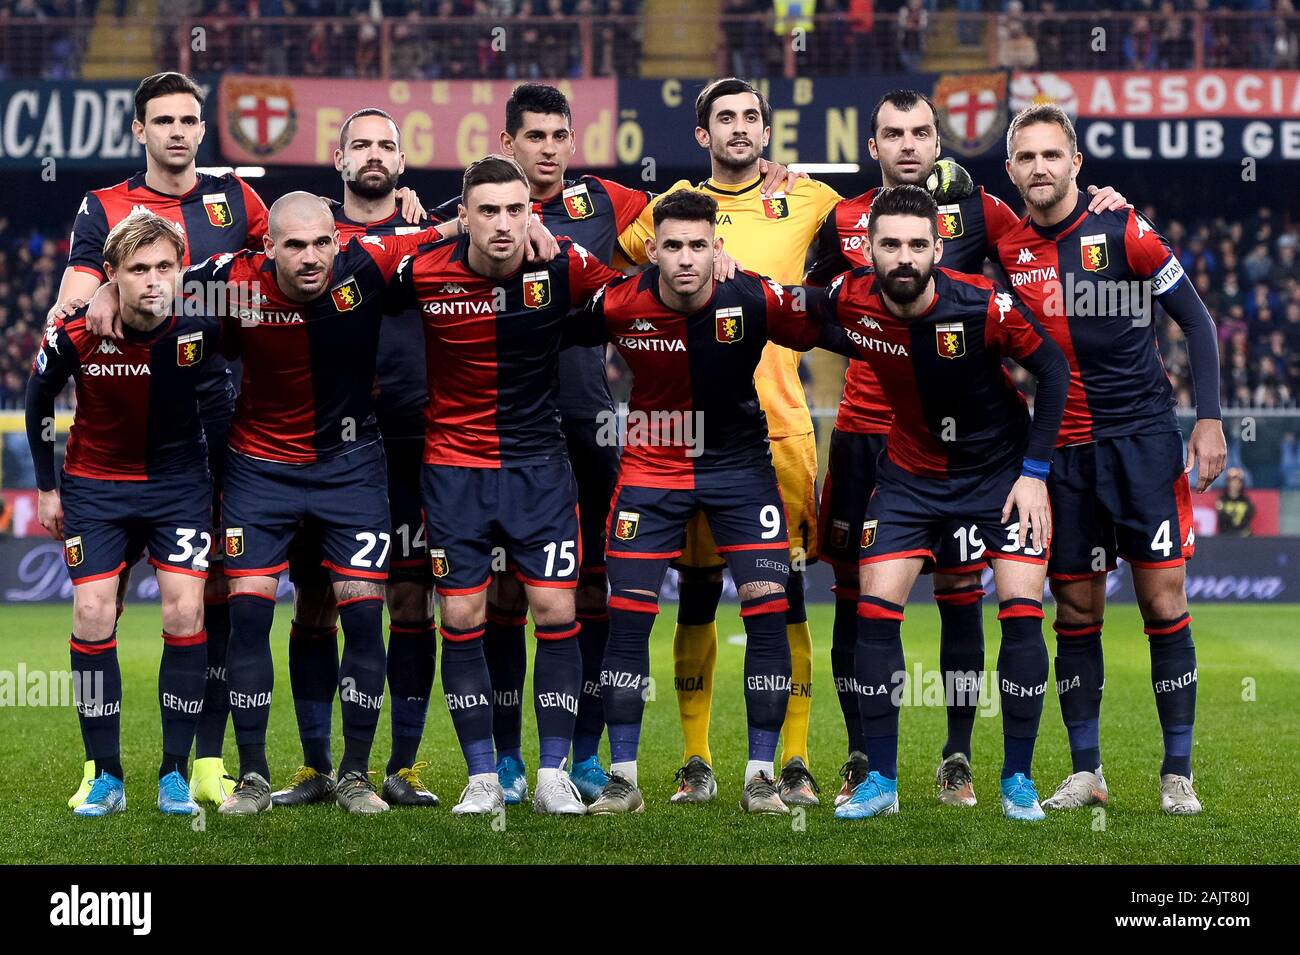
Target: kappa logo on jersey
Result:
[[106, 347], [189, 349], [234, 542], [218, 210], [1092, 250], [949, 222], [73, 551], [346, 295], [641, 325], [1024, 256], [839, 533], [868, 534], [451, 288], [376, 240], [577, 202], [950, 340], [537, 289], [626, 525], [52, 337], [438, 562], [778, 207], [862, 221], [866, 321], [730, 323], [1003, 301]]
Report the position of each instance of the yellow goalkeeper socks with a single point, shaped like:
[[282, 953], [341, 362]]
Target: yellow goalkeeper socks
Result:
[[695, 654]]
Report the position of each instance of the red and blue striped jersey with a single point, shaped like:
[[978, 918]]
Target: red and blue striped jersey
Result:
[[969, 228], [220, 214], [137, 415], [492, 347], [308, 367], [401, 375], [593, 213], [694, 418], [956, 409], [1091, 280]]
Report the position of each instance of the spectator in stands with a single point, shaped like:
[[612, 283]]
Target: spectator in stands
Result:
[[1017, 49], [1290, 461], [1140, 48], [1235, 510], [913, 23]]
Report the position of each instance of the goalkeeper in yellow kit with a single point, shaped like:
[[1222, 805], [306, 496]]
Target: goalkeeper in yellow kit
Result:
[[770, 236]]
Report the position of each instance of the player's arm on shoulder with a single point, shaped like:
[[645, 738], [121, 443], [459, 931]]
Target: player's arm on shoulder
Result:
[[1105, 199], [53, 365], [828, 259], [628, 203], [1011, 329], [999, 219], [586, 326], [85, 269], [587, 274], [542, 245], [259, 218], [797, 317]]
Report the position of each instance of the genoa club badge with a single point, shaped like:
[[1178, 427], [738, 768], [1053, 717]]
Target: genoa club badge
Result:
[[730, 323], [839, 533], [234, 542], [438, 563], [778, 207], [189, 349], [950, 340], [626, 525], [868, 533], [537, 289], [949, 222], [1092, 251], [218, 210], [73, 552], [346, 295], [577, 202]]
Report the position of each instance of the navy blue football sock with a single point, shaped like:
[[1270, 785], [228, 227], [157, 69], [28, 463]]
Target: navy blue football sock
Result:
[[796, 610], [210, 737], [961, 660], [697, 598], [844, 643], [250, 673], [1173, 677], [507, 662], [557, 682], [314, 679], [767, 672], [361, 678], [1022, 682], [625, 671], [411, 649], [591, 712], [97, 690], [1080, 675], [880, 670], [182, 678], [468, 689]]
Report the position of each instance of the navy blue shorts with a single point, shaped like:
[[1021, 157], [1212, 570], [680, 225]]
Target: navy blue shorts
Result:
[[529, 512], [1123, 496], [410, 556], [216, 433], [109, 523], [744, 515], [913, 516], [850, 479], [595, 468], [345, 498]]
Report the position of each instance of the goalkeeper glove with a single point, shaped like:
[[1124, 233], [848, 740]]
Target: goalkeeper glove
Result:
[[949, 182]]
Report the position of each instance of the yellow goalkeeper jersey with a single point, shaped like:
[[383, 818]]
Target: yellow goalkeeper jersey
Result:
[[770, 237]]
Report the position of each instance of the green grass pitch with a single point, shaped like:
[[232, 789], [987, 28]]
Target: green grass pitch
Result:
[[1244, 761]]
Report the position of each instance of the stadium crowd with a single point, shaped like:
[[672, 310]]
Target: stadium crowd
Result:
[[425, 41]]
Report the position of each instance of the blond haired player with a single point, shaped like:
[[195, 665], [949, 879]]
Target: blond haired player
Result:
[[770, 236]]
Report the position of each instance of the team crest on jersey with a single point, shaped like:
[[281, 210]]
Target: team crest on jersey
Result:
[[189, 349], [950, 340], [778, 207], [73, 551], [868, 534], [218, 209], [730, 324], [438, 562], [626, 525], [839, 533], [1092, 250], [537, 289], [577, 202], [234, 542], [949, 222], [346, 295]]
